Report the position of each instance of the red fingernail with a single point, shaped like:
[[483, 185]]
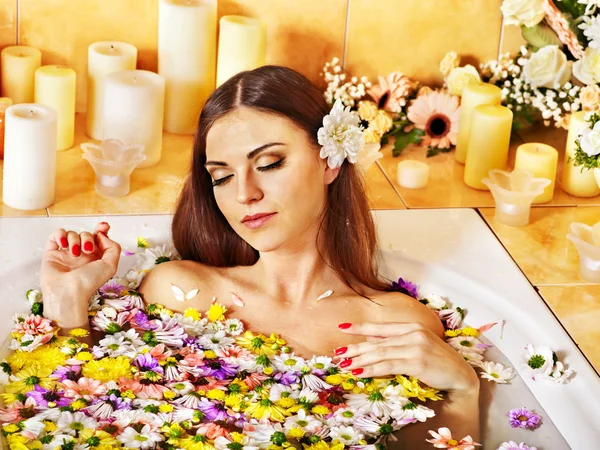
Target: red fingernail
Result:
[[103, 233], [103, 223], [345, 325], [341, 350], [346, 363], [356, 371], [88, 246], [64, 243], [76, 250]]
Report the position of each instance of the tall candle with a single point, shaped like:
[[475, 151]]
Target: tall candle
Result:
[[18, 64], [541, 160], [473, 95], [133, 110], [576, 180], [104, 58], [187, 59], [488, 143], [29, 156], [242, 46], [5, 102], [55, 87]]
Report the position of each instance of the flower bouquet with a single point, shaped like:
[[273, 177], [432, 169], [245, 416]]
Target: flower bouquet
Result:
[[587, 146]]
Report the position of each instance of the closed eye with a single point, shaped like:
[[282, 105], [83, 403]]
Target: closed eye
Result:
[[275, 165]]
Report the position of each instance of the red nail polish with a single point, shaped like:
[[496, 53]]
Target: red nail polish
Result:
[[63, 242], [341, 350], [345, 325], [76, 250], [346, 363], [356, 372], [88, 246], [103, 223], [103, 233]]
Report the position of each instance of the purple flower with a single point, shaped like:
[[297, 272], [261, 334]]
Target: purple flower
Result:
[[146, 362], [406, 287], [44, 396], [512, 445], [111, 289], [219, 369], [141, 321], [67, 373], [522, 418], [213, 411], [103, 408], [286, 378]]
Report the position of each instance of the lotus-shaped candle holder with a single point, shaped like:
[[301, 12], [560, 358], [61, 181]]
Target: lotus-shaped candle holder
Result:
[[587, 241], [514, 193], [113, 163]]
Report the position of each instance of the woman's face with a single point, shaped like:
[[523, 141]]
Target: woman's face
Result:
[[269, 183]]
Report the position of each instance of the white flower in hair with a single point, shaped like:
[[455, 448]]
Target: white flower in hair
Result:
[[341, 136]]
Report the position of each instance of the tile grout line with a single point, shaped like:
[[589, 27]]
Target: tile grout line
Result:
[[345, 34], [18, 17], [501, 37]]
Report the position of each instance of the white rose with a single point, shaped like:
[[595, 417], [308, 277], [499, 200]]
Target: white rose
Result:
[[590, 140], [460, 77], [587, 69], [523, 12], [548, 67]]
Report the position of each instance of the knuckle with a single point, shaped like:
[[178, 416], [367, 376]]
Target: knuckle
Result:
[[421, 336]]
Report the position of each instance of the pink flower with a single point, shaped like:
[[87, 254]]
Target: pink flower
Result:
[[86, 388], [443, 439], [18, 411], [143, 391], [34, 325], [392, 91], [437, 114], [212, 431]]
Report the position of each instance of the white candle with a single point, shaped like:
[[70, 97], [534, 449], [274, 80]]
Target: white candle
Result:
[[187, 59], [104, 58], [19, 64], [242, 46], [133, 110], [55, 87], [412, 174], [29, 156]]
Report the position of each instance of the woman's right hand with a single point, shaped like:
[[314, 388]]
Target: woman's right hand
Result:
[[74, 266]]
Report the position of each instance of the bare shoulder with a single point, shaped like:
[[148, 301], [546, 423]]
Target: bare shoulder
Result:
[[156, 287], [399, 307]]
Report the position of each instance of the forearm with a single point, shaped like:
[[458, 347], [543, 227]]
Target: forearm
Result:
[[66, 311]]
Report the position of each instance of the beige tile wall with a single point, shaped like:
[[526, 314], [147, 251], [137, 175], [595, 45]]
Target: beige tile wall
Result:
[[375, 36]]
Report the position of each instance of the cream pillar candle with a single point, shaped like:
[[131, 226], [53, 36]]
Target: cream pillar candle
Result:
[[55, 87], [412, 174], [104, 58], [541, 160], [19, 63], [187, 59], [242, 46], [29, 157], [133, 111], [575, 181], [5, 102], [473, 95], [488, 143]]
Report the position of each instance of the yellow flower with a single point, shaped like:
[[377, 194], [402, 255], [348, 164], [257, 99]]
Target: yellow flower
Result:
[[11, 428], [266, 409], [78, 404], [210, 354], [382, 123], [192, 313], [44, 356], [450, 62], [320, 409], [413, 388], [322, 445], [216, 394], [195, 443], [470, 331], [259, 344], [50, 427], [335, 380], [84, 356], [268, 370], [29, 377], [78, 332], [452, 333], [128, 394], [102, 437], [367, 110], [459, 77], [234, 401], [142, 242], [216, 312], [286, 402], [35, 445], [296, 432], [371, 136], [107, 369], [169, 395]]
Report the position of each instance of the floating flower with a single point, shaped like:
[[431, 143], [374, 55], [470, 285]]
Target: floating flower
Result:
[[156, 255], [437, 114], [144, 439], [512, 445], [34, 326], [340, 136], [107, 369], [406, 287], [85, 388], [522, 418], [496, 372], [443, 439]]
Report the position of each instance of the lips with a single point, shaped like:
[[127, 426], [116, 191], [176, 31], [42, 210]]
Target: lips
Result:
[[257, 220], [255, 217]]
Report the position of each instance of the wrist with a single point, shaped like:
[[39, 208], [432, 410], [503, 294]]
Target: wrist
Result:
[[66, 310]]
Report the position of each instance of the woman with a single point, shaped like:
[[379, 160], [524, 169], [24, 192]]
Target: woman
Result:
[[272, 217]]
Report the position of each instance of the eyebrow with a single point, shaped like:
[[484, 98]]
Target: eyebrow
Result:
[[250, 155]]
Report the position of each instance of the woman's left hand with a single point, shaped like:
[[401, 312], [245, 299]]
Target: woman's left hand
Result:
[[408, 349]]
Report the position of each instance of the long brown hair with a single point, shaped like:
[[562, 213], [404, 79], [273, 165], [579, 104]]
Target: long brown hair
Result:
[[200, 231]]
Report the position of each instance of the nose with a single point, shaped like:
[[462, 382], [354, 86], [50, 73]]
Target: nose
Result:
[[248, 190]]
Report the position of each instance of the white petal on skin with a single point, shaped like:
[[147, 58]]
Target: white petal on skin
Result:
[[237, 300], [324, 295]]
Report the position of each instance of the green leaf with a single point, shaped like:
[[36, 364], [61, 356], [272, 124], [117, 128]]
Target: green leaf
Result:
[[433, 151], [384, 140], [540, 36], [403, 140]]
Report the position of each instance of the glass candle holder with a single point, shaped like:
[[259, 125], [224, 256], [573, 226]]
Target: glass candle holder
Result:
[[113, 163], [514, 193], [582, 236]]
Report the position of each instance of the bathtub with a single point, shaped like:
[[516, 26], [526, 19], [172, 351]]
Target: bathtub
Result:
[[450, 252]]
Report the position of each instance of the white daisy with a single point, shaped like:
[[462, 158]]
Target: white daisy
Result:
[[452, 317], [435, 302], [72, 423], [592, 32], [309, 423], [288, 362], [145, 439], [320, 363], [156, 255], [307, 395], [538, 361], [412, 410], [278, 391], [475, 359], [191, 326], [58, 441], [559, 374], [113, 345], [375, 402], [234, 327], [216, 341], [32, 427], [340, 136], [181, 387], [260, 435], [314, 383], [222, 443], [343, 416], [496, 372], [346, 435], [466, 344]]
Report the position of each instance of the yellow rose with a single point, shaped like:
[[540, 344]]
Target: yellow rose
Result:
[[587, 69], [382, 123], [460, 77], [371, 136], [590, 97], [450, 61], [367, 110]]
